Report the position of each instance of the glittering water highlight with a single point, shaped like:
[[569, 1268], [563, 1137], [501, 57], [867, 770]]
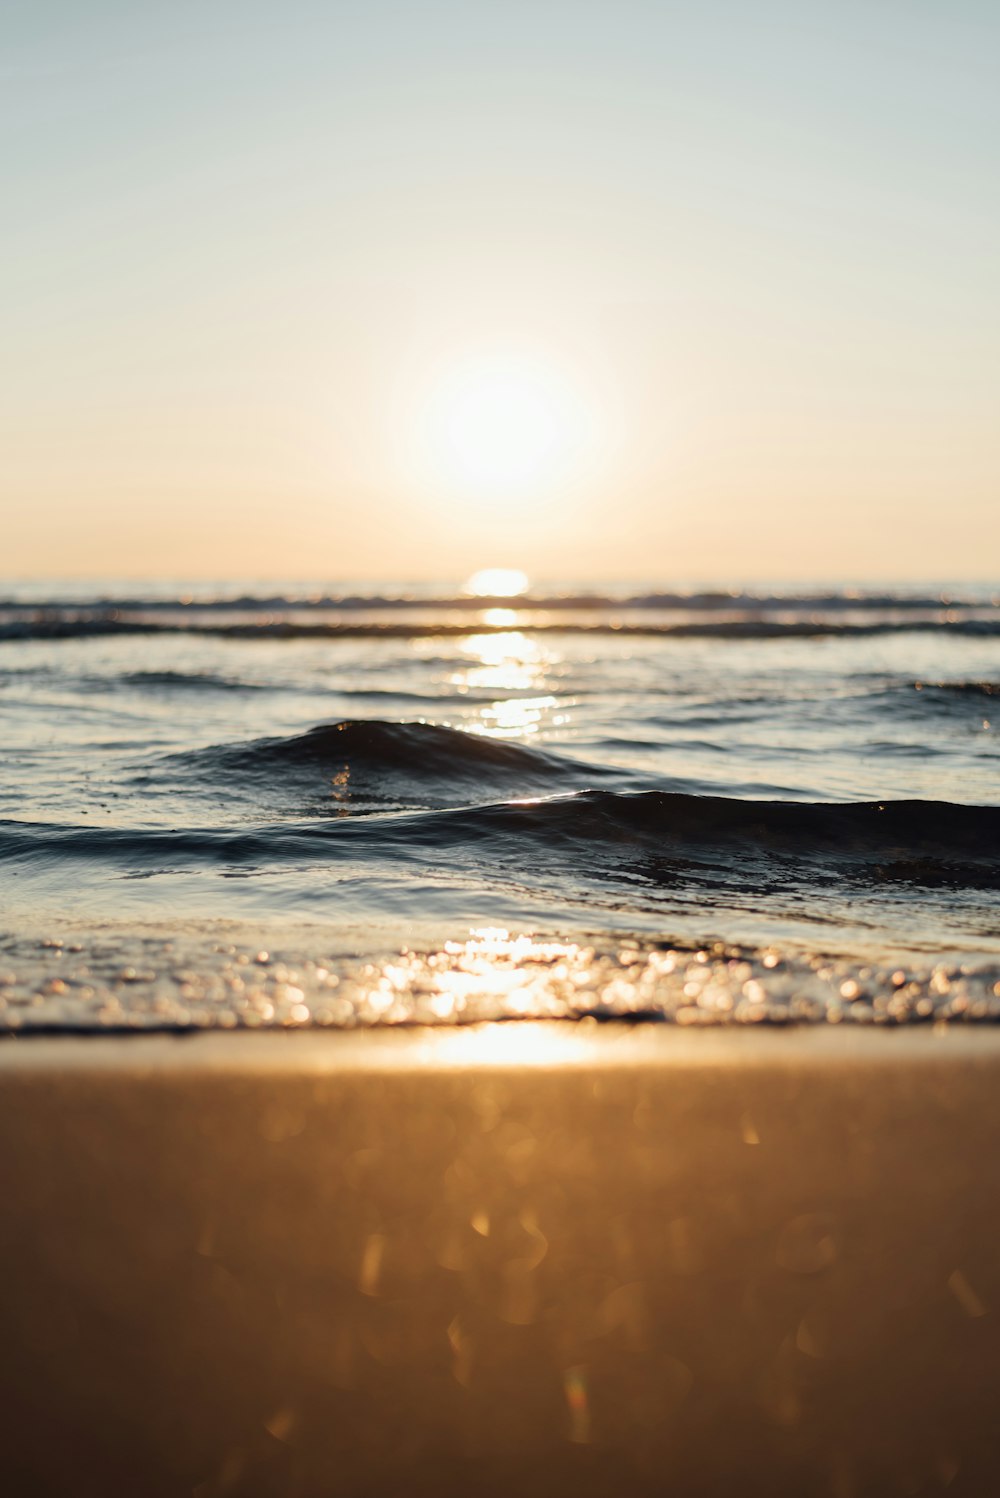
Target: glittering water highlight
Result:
[[127, 982]]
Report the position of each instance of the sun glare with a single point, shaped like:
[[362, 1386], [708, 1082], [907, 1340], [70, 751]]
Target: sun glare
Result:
[[503, 427]]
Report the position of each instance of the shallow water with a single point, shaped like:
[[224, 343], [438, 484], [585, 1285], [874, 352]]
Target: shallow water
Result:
[[808, 782]]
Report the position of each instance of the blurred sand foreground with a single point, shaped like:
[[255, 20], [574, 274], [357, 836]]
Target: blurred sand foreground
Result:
[[521, 1258]]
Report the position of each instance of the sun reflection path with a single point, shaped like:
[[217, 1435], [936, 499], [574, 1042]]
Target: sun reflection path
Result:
[[499, 618], [506, 662], [509, 662]]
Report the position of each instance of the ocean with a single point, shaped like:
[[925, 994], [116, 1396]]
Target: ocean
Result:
[[246, 806]]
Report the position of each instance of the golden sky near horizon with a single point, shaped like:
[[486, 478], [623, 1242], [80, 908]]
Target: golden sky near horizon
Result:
[[404, 289]]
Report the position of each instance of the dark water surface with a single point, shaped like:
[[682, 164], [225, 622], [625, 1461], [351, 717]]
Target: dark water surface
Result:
[[558, 804]]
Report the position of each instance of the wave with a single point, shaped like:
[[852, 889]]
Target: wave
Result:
[[179, 681], [651, 836], [959, 689], [414, 614], [573, 600], [419, 748], [372, 762], [269, 628], [918, 701]]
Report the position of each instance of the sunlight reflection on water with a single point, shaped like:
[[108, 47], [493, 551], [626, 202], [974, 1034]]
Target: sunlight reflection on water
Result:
[[508, 662]]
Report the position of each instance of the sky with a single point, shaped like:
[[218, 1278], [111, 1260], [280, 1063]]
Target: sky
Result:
[[407, 288]]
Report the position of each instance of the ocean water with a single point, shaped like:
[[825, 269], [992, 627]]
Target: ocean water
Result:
[[251, 806]]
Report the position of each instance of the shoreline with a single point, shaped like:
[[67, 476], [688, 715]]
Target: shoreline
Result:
[[176, 980], [592, 1044]]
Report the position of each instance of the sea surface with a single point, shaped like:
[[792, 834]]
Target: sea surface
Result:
[[248, 805]]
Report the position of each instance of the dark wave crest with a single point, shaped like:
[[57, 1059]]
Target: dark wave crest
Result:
[[271, 628], [419, 748], [182, 681], [960, 689], [371, 762], [650, 835], [923, 701]]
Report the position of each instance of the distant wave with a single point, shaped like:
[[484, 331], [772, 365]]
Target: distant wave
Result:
[[647, 835], [59, 626], [711, 601], [179, 681], [963, 689], [713, 614], [921, 701]]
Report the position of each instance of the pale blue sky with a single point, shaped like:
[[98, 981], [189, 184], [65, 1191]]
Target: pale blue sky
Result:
[[756, 241]]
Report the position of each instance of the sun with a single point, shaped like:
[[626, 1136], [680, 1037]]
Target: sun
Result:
[[497, 582], [502, 426]]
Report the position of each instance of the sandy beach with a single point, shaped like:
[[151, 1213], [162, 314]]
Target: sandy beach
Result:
[[583, 1259]]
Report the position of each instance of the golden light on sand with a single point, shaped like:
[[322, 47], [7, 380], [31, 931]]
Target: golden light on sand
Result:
[[503, 427], [497, 582]]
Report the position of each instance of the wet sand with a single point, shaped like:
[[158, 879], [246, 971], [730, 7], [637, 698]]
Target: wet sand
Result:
[[555, 1259]]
